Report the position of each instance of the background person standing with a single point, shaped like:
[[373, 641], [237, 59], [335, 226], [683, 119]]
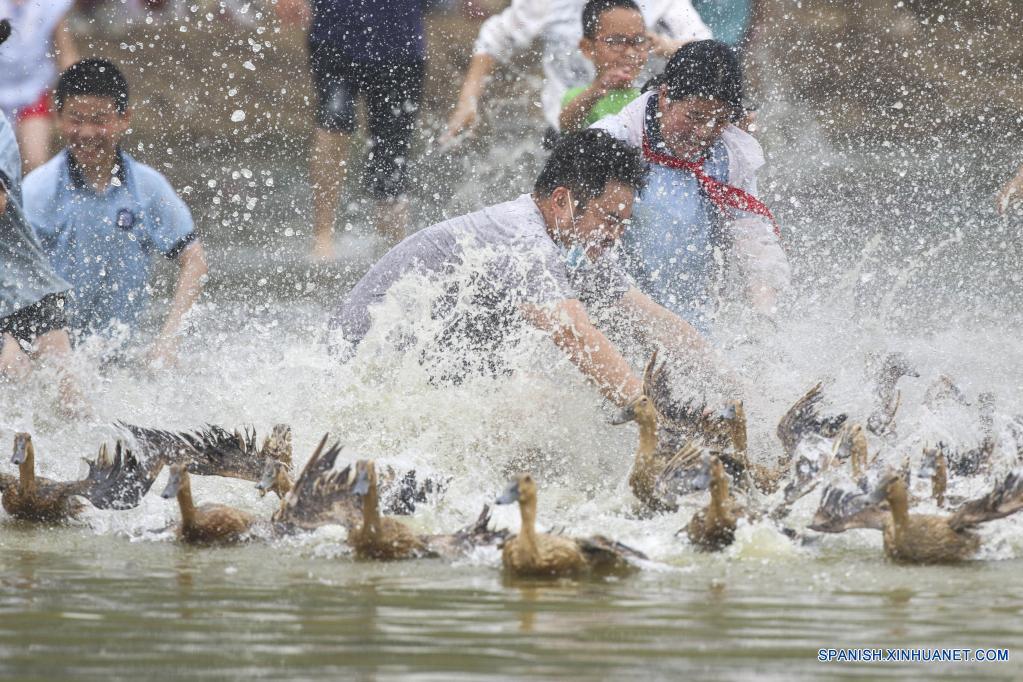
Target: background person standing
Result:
[[376, 50], [39, 45]]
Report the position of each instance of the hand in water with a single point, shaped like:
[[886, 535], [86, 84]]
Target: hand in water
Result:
[[663, 46], [163, 354], [616, 79], [1012, 189], [463, 119]]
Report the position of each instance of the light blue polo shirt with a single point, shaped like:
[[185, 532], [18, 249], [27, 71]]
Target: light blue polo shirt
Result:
[[103, 243]]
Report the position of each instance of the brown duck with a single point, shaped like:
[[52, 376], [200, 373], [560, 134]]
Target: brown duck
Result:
[[713, 527], [918, 538], [541, 554], [112, 483], [209, 523]]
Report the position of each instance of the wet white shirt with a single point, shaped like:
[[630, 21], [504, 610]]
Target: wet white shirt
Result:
[[27, 64], [559, 25]]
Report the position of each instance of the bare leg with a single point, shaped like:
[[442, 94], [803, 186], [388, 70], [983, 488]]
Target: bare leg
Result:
[[392, 219], [327, 173], [54, 348], [13, 361], [34, 139]]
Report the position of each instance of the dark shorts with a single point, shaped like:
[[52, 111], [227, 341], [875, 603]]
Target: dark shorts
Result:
[[28, 324], [393, 93]]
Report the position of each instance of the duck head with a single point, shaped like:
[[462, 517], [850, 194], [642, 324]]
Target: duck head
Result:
[[178, 474], [521, 489], [275, 478], [22, 448], [364, 477], [640, 409]]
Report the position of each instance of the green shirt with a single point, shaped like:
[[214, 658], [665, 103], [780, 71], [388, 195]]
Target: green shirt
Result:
[[608, 105]]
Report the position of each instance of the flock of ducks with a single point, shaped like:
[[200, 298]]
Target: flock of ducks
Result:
[[684, 449]]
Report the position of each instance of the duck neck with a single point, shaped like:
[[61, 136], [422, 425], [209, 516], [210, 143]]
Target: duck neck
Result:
[[643, 465], [939, 482], [371, 510], [27, 470], [718, 495], [185, 501], [527, 534], [899, 504], [283, 485]]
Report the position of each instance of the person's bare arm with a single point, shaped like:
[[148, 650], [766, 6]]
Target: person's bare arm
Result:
[[192, 271], [658, 324], [64, 45], [593, 353], [294, 12], [466, 111], [1012, 188]]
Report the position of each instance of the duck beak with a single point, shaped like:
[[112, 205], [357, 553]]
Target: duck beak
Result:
[[510, 494], [173, 485], [20, 450], [267, 481], [624, 415]]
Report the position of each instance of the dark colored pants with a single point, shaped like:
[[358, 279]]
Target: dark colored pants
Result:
[[393, 93]]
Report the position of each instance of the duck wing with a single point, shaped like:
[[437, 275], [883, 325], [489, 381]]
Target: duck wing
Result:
[[804, 417], [843, 509], [121, 482], [321, 495], [604, 554], [680, 419], [1005, 499], [402, 492], [210, 451], [478, 534], [678, 476]]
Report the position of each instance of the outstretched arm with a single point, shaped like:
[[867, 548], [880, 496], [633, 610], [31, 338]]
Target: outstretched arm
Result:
[[1012, 188], [658, 324], [191, 277], [593, 353], [64, 44]]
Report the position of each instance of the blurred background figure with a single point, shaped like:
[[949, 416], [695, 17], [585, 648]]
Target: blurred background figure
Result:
[[670, 23], [40, 43], [373, 50]]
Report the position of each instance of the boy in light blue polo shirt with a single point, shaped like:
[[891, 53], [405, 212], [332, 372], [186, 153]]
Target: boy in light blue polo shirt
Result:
[[101, 216]]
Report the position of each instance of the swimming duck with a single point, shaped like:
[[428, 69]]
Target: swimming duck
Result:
[[209, 523], [112, 483], [662, 436], [214, 451], [925, 538], [376, 536], [541, 554], [713, 527]]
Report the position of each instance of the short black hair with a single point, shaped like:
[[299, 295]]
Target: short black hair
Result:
[[706, 69], [585, 161], [93, 76], [594, 8]]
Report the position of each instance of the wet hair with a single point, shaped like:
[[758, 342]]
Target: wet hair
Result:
[[706, 69], [584, 162], [96, 77], [595, 8]]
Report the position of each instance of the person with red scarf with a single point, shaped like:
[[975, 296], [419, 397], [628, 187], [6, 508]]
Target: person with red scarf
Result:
[[698, 213]]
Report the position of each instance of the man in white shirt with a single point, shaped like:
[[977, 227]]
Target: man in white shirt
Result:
[[538, 260], [558, 24]]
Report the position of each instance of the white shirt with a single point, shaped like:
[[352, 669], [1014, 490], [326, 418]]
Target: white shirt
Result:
[[27, 64], [559, 25]]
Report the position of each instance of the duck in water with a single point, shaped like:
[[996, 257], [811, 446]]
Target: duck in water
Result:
[[918, 538], [541, 554], [209, 523], [112, 483]]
